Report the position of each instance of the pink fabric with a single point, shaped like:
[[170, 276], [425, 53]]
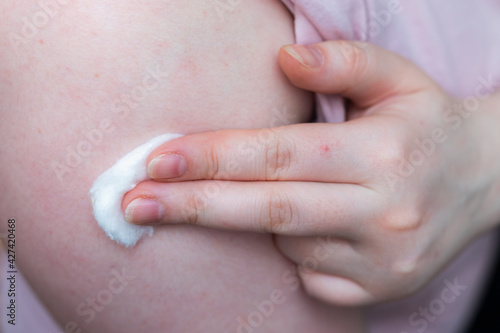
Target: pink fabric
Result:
[[457, 42]]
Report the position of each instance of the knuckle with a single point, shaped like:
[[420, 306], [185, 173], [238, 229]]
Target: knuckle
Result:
[[213, 162], [406, 276], [278, 158], [397, 276], [384, 157], [387, 157], [404, 217], [354, 54], [403, 220], [193, 211], [403, 270], [391, 154], [280, 215]]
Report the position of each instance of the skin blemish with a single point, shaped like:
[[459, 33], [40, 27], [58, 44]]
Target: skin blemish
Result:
[[41, 41], [324, 150], [96, 75]]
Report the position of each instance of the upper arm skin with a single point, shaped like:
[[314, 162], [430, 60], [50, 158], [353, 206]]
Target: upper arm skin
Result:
[[66, 118]]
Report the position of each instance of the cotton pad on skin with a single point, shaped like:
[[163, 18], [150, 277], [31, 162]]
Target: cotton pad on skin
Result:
[[109, 188]]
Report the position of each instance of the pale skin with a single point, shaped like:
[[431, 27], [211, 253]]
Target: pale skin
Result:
[[90, 63], [389, 232]]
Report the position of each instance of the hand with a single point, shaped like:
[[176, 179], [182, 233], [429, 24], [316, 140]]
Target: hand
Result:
[[370, 209]]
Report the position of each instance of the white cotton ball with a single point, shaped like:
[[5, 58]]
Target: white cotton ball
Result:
[[109, 188]]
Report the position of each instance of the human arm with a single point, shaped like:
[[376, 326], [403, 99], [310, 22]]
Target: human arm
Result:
[[72, 104]]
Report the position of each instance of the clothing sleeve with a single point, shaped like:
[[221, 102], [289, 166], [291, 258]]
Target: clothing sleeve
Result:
[[320, 20]]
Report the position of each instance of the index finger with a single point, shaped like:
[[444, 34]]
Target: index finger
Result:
[[303, 152]]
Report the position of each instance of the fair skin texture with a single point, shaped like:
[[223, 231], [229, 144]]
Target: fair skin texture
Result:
[[55, 92], [388, 232]]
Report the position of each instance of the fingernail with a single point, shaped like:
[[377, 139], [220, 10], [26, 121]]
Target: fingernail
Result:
[[167, 166], [308, 56], [142, 211]]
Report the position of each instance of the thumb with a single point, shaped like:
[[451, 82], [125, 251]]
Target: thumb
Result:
[[364, 73]]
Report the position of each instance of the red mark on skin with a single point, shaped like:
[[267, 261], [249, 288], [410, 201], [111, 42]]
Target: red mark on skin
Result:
[[72, 292], [96, 75], [41, 41], [421, 123], [324, 150]]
